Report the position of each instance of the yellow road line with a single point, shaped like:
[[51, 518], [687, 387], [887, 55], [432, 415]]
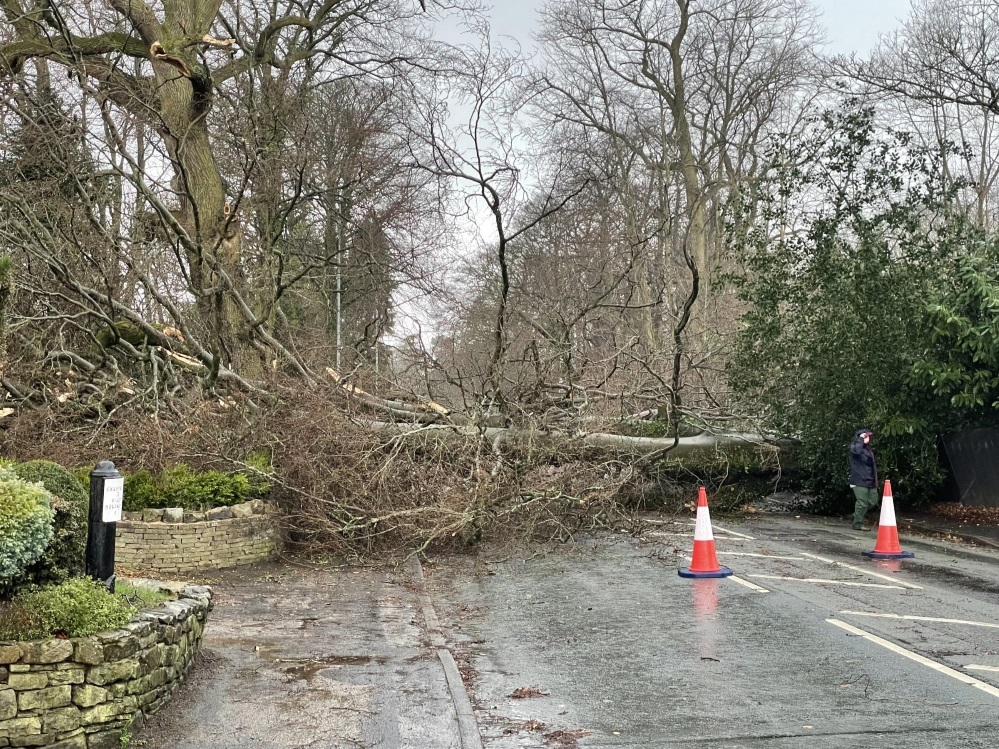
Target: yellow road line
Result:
[[969, 680]]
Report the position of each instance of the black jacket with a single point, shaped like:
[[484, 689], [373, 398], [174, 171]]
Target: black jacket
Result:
[[863, 469]]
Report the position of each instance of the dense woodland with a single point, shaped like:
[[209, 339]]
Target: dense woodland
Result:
[[415, 273]]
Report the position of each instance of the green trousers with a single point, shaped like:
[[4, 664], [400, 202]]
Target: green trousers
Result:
[[867, 500]]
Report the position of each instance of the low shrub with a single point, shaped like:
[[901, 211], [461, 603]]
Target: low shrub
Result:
[[259, 471], [141, 597], [56, 480], [25, 525], [202, 491], [64, 557], [180, 486], [141, 491], [74, 608]]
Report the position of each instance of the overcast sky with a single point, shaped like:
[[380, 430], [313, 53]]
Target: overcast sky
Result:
[[853, 25]]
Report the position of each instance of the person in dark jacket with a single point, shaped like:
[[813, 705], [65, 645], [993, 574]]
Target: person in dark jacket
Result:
[[863, 476]]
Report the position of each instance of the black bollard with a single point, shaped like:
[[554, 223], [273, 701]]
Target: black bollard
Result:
[[106, 490]]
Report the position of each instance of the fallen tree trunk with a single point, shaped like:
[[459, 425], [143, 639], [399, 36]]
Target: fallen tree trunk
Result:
[[700, 445]]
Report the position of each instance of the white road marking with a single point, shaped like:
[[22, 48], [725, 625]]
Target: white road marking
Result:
[[761, 556], [972, 667], [717, 538], [827, 582], [922, 618], [748, 584], [734, 533], [964, 678], [865, 571]]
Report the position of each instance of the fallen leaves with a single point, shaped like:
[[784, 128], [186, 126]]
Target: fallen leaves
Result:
[[967, 514], [566, 739], [523, 693]]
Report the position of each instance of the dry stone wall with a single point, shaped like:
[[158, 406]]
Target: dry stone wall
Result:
[[173, 541], [82, 693]]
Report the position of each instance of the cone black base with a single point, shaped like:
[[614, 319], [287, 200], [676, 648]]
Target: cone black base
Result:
[[721, 572]]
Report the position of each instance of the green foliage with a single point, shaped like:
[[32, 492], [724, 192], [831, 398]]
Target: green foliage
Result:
[[141, 490], [141, 597], [64, 556], [83, 476], [733, 476], [74, 608], [259, 469], [56, 480], [962, 362], [25, 524], [853, 233], [199, 491], [179, 486]]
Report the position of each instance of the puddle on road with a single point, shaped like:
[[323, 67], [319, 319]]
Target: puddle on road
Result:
[[307, 670]]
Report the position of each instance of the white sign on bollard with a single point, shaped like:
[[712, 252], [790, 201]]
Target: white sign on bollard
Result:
[[114, 493]]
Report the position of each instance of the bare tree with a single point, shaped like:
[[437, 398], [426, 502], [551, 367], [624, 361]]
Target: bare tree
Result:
[[680, 99], [186, 108], [939, 74], [691, 89], [479, 164]]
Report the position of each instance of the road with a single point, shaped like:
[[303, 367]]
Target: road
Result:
[[812, 646]]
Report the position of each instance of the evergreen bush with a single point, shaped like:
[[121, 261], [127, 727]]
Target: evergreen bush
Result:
[[64, 557], [200, 491], [141, 491], [180, 486], [258, 473], [25, 525]]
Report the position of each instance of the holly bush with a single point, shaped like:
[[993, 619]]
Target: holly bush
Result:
[[854, 232]]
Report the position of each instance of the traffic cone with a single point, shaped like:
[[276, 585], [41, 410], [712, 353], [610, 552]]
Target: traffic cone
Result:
[[705, 561], [887, 546]]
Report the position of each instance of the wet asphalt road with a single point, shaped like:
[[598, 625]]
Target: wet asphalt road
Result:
[[631, 655], [627, 653], [297, 657]]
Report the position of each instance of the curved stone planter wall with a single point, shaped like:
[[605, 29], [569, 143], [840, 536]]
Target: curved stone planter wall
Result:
[[82, 693], [172, 541]]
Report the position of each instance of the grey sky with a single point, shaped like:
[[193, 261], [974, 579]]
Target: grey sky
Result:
[[853, 25]]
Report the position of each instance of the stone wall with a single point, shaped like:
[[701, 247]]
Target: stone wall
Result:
[[82, 693], [174, 541]]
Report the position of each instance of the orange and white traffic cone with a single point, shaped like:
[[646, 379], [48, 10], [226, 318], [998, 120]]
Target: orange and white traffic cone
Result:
[[887, 546], [705, 561]]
